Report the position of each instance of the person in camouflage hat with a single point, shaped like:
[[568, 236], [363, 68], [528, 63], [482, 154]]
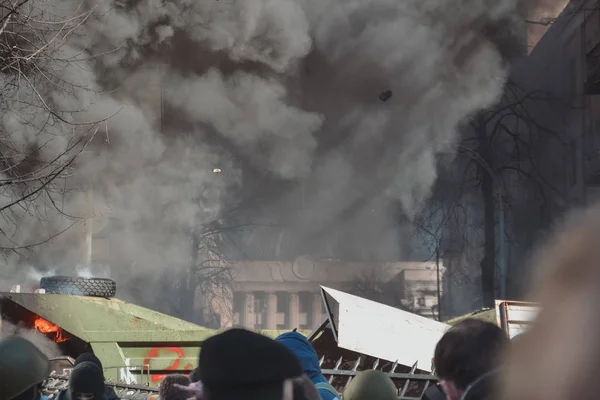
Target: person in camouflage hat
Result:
[[169, 388], [23, 368], [371, 385]]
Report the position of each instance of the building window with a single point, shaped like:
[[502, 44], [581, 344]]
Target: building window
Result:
[[305, 299], [591, 141], [260, 309], [595, 136], [572, 163], [573, 76]]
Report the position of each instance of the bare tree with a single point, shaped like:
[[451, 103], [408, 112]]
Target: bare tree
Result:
[[503, 170], [373, 283], [39, 140], [209, 275]]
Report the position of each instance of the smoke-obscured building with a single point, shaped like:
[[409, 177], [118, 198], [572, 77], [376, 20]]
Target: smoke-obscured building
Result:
[[561, 82], [286, 294], [276, 294], [565, 64]]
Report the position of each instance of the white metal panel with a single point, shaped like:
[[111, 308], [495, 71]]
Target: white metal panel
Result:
[[521, 313], [517, 329], [384, 332], [516, 317]]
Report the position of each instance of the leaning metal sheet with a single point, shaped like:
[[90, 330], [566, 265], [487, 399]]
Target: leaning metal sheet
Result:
[[384, 332]]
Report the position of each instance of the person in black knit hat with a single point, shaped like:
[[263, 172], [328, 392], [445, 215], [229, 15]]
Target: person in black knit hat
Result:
[[86, 382], [109, 392], [89, 357], [243, 365]]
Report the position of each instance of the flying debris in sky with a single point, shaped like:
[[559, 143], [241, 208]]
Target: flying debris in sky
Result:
[[385, 96]]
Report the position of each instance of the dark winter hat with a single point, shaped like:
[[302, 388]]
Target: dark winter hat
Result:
[[86, 382], [22, 366], [168, 391], [242, 364], [91, 357]]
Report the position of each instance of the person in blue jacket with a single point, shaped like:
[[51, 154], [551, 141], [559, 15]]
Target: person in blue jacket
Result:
[[303, 349]]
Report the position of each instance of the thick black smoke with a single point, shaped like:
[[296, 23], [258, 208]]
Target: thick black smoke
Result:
[[279, 91]]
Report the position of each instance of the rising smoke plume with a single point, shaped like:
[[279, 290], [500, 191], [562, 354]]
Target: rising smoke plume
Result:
[[45, 345], [283, 89]]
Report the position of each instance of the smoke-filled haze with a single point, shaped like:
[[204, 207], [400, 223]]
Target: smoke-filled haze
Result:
[[46, 346], [285, 88]]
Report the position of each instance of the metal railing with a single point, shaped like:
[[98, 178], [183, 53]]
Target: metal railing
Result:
[[59, 382], [411, 385]]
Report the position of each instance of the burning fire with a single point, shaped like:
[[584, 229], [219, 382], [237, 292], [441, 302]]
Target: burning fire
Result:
[[48, 327]]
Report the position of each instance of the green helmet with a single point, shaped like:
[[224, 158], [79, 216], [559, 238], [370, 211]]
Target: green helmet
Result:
[[22, 366], [371, 385]]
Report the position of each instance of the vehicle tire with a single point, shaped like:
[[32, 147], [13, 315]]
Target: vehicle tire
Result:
[[94, 287]]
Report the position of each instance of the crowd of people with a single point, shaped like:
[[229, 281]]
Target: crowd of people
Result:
[[244, 365]]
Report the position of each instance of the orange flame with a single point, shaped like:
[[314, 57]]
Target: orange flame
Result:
[[48, 327]]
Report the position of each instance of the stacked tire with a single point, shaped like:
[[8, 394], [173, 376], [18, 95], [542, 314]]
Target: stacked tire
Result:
[[78, 286]]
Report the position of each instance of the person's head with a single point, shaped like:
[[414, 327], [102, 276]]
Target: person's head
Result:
[[466, 352], [89, 357], [298, 344], [168, 389], [86, 382], [242, 364], [371, 385], [23, 367]]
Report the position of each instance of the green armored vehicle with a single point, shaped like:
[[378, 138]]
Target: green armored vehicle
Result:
[[136, 345]]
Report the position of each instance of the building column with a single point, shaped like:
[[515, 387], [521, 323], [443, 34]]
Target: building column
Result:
[[317, 307], [249, 317], [271, 320], [294, 311]]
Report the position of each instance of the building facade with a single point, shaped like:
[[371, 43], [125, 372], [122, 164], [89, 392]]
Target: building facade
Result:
[[565, 65], [286, 294], [560, 79]]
